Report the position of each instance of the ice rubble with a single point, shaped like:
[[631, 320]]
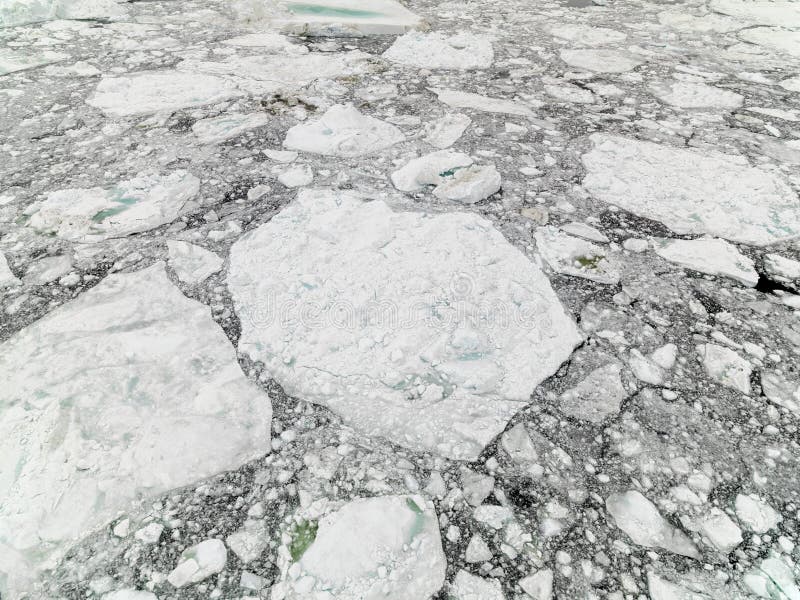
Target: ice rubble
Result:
[[216, 130], [574, 256], [12, 61], [132, 206], [686, 94], [692, 191], [600, 60], [343, 131], [640, 519], [192, 264], [95, 415], [709, 255], [467, 586], [386, 547], [378, 315], [462, 51], [22, 12]]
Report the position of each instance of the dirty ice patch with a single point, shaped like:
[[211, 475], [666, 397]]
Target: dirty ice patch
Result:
[[12, 61], [459, 99], [600, 60], [711, 256], [696, 95], [462, 51], [336, 18], [94, 415], [692, 191], [586, 35], [574, 256], [132, 206], [22, 12], [343, 131], [386, 547], [760, 12], [155, 91], [216, 130], [428, 330], [776, 39]]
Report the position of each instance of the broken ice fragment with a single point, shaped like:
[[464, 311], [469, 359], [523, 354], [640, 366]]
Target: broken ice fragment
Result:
[[782, 268], [573, 256], [707, 255], [725, 366], [599, 395], [467, 586], [7, 278], [21, 12], [199, 562], [756, 514], [343, 131], [152, 416], [445, 131], [600, 60], [539, 585], [462, 51], [192, 264], [774, 578], [640, 519], [430, 169], [586, 35], [469, 185], [696, 95], [219, 129], [777, 40], [459, 99], [47, 269], [781, 13], [298, 176], [720, 530], [395, 329], [12, 61]]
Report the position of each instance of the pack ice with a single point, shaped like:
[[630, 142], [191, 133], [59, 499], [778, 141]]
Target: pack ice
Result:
[[692, 191], [462, 51], [386, 547], [428, 330], [22, 12], [94, 415]]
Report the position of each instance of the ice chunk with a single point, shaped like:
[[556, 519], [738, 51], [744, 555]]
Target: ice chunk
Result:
[[430, 169], [720, 530], [339, 18], [94, 415], [395, 329], [130, 594], [773, 578], [132, 206], [386, 547], [469, 185], [573, 256], [47, 269], [539, 585], [459, 99], [778, 40], [692, 191], [153, 91], [12, 61], [219, 129], [22, 12], [192, 264], [707, 255], [756, 514], [781, 391], [268, 41], [792, 84], [600, 60], [445, 131], [597, 396], [249, 542], [640, 519], [343, 131], [663, 589], [781, 13], [587, 232], [199, 562], [298, 176], [586, 35], [435, 50], [7, 278], [726, 367], [467, 586], [478, 550], [696, 95], [570, 93]]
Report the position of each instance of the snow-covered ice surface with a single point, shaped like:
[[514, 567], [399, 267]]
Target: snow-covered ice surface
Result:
[[366, 213]]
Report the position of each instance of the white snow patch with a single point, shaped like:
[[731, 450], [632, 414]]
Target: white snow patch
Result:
[[435, 50], [709, 255]]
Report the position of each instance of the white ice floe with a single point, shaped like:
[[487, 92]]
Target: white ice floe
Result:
[[709, 255], [446, 131], [154, 91], [539, 585], [692, 191], [792, 84], [781, 13], [396, 330], [430, 169], [782, 391], [459, 99], [192, 264], [152, 416], [47, 269], [7, 278], [132, 206], [267, 41], [708, 23], [600, 60], [756, 514], [773, 578], [199, 562], [686, 94], [339, 18], [298, 176], [774, 38], [587, 232], [726, 367], [249, 541], [570, 93], [640, 519], [12, 61], [663, 589], [469, 185], [467, 586], [435, 50], [574, 256], [22, 12], [386, 547], [219, 129], [478, 550], [599, 395], [720, 530], [130, 594], [586, 35], [343, 131]]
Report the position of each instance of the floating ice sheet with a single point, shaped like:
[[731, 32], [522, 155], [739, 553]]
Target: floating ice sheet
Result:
[[94, 414], [462, 51], [22, 12], [781, 13], [712, 256], [429, 330], [12, 61]]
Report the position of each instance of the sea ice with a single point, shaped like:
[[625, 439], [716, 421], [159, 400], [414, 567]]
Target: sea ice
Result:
[[781, 391], [720, 530], [696, 95], [600, 60], [192, 264], [386, 547], [219, 129], [539, 585], [430, 169], [640, 519], [47, 269], [725, 366], [781, 13], [343, 131], [774, 578], [478, 550], [692, 191], [792, 84], [132, 206], [586, 35], [268, 41], [709, 255], [22, 12], [708, 23], [570, 93], [94, 415], [462, 51], [663, 589], [469, 185], [756, 514], [382, 316], [7, 278], [774, 38], [574, 256], [467, 586], [199, 562], [12, 61], [599, 395], [459, 99], [446, 131]]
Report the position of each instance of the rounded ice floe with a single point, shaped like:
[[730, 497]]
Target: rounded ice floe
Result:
[[132, 206], [469, 185], [774, 38], [429, 330], [600, 60], [386, 547], [781, 13], [692, 191], [792, 84], [586, 35], [343, 131], [154, 91], [94, 414], [435, 50], [696, 95]]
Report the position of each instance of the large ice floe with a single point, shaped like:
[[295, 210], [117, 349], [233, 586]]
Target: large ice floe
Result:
[[95, 415], [21, 12], [428, 330], [712, 256], [132, 206], [12, 61], [462, 51], [386, 547], [692, 191]]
